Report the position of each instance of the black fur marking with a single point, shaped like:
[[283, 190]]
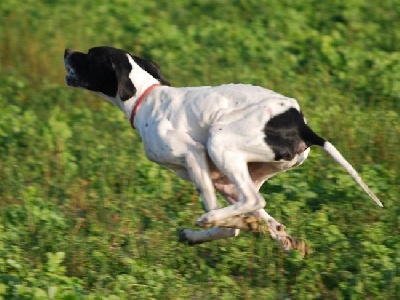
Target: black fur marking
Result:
[[182, 238], [152, 68], [92, 71], [287, 134], [106, 70]]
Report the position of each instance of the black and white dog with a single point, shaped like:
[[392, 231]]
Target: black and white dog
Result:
[[230, 138]]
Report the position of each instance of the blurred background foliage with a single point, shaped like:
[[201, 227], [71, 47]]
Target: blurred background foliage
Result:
[[83, 214]]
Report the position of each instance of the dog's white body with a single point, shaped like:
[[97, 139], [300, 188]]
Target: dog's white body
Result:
[[201, 112], [214, 137]]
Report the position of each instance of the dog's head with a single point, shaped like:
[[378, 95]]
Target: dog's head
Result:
[[106, 70]]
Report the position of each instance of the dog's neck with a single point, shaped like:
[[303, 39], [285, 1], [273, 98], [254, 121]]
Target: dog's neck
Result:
[[141, 80]]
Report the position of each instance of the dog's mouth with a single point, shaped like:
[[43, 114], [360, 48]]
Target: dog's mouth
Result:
[[70, 78], [71, 81]]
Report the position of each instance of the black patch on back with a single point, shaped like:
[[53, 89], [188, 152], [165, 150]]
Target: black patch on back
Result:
[[287, 135]]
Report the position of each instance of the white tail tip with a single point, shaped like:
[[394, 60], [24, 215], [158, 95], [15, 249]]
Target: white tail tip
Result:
[[328, 147]]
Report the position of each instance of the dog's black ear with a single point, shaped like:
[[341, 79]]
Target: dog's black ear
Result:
[[125, 87], [152, 68]]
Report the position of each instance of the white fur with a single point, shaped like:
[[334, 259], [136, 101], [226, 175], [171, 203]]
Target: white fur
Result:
[[214, 137], [328, 147], [208, 133]]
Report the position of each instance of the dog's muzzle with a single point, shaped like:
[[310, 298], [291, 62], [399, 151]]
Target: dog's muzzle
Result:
[[71, 81], [71, 78]]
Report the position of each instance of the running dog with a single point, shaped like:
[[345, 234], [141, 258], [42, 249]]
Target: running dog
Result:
[[229, 138]]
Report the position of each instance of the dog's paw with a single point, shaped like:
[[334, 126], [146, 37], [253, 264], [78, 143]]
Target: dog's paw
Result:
[[183, 238], [202, 223], [255, 224], [205, 221], [276, 229], [288, 243]]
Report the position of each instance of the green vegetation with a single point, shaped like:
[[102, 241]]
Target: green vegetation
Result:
[[83, 214]]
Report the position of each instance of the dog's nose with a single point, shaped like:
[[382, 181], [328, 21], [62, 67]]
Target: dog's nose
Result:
[[68, 52]]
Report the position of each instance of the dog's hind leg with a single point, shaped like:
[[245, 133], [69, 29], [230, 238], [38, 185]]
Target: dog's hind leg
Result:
[[260, 220], [249, 199]]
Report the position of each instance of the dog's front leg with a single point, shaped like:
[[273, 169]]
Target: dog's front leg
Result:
[[193, 165], [193, 237], [249, 199], [191, 161], [198, 171]]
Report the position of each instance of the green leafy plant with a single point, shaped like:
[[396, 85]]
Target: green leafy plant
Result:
[[84, 215]]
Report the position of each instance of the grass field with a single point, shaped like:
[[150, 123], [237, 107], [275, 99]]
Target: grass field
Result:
[[84, 215]]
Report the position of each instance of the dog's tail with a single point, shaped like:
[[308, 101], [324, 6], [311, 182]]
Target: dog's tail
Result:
[[311, 138]]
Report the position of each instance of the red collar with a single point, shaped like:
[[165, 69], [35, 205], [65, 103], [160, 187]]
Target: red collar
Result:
[[140, 100]]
